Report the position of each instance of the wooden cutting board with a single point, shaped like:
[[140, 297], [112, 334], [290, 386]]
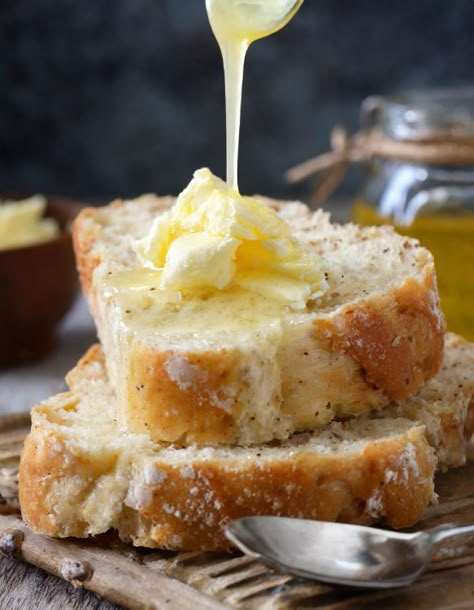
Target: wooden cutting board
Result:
[[149, 579]]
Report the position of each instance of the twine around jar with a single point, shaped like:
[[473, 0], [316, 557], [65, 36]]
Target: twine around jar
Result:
[[437, 149]]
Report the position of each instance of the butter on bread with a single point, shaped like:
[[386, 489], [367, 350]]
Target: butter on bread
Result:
[[81, 475], [374, 336], [214, 239]]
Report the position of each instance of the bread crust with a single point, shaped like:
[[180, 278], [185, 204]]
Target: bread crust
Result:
[[386, 346], [397, 338], [190, 513], [45, 460], [186, 506], [86, 260], [195, 407], [446, 405]]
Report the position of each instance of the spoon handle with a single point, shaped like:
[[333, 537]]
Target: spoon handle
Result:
[[443, 532]]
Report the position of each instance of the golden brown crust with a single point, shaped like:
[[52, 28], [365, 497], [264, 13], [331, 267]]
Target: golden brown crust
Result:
[[49, 464], [445, 405], [190, 513], [448, 431], [84, 242], [45, 460], [396, 338], [182, 408]]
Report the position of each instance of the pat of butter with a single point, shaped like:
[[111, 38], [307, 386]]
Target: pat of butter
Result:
[[22, 224], [214, 239], [197, 259]]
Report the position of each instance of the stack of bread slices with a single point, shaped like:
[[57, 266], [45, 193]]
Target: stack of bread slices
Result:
[[191, 414]]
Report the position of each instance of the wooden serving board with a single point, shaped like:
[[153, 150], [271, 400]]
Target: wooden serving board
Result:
[[145, 579]]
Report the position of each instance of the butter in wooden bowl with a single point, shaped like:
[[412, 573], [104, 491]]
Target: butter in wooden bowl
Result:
[[38, 279]]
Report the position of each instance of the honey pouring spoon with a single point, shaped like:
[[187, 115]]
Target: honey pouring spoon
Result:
[[237, 24], [352, 555]]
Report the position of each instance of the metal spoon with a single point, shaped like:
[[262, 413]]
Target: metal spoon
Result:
[[339, 553]]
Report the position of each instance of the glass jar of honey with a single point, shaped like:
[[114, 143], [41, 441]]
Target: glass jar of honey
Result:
[[422, 182]]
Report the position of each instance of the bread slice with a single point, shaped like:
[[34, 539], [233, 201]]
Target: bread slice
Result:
[[233, 368], [81, 475]]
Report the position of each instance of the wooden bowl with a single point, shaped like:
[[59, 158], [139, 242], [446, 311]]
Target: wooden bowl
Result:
[[38, 284]]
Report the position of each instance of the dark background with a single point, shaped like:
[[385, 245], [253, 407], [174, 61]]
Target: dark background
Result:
[[117, 97]]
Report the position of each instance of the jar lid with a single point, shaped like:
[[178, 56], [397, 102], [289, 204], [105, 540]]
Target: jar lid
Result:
[[422, 114]]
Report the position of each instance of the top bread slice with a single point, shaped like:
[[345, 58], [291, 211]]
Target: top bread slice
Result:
[[229, 370], [80, 475]]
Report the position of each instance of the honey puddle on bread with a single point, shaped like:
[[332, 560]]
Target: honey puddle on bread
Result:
[[214, 239]]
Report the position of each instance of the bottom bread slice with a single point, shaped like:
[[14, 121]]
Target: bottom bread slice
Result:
[[81, 475]]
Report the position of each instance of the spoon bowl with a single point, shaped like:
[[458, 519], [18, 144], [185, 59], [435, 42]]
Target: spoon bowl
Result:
[[339, 553], [251, 19]]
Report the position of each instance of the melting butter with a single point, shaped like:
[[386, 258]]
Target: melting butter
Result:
[[214, 239], [235, 313]]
